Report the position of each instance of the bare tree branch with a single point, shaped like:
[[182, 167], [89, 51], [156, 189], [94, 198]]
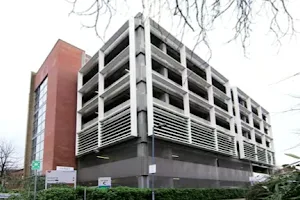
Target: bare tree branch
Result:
[[286, 78], [8, 161], [294, 96], [200, 16], [293, 147]]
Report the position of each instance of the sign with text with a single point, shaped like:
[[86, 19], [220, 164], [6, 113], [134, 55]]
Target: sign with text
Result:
[[104, 182], [152, 169], [55, 177], [63, 168], [35, 165]]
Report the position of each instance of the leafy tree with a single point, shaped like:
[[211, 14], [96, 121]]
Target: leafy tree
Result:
[[285, 186]]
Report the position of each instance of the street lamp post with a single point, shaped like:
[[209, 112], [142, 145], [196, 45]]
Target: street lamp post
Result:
[[153, 156]]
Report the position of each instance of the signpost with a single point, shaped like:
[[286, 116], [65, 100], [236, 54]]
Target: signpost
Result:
[[104, 182], [35, 166], [56, 177]]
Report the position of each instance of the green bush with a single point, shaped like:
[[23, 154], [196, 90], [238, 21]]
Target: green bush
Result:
[[277, 187], [125, 193], [57, 194], [205, 194], [22, 196]]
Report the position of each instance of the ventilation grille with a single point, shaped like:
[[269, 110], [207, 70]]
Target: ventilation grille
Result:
[[202, 136], [249, 151], [225, 143], [271, 158], [88, 139], [116, 127], [176, 128], [261, 155]]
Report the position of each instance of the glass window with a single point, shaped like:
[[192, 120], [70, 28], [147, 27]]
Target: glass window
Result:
[[38, 147], [43, 117], [42, 144], [38, 138], [38, 155], [42, 135], [39, 128], [43, 125], [39, 121]]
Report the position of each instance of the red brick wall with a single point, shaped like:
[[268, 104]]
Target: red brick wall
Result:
[[65, 122], [61, 67]]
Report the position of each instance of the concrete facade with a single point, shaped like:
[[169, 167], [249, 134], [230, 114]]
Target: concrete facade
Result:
[[144, 77], [53, 131]]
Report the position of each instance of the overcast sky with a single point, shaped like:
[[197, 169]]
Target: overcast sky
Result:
[[30, 28]]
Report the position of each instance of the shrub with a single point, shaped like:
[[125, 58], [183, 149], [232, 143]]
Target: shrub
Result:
[[57, 194], [280, 187], [125, 193], [205, 194]]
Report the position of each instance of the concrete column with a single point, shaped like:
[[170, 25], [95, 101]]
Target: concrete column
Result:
[[164, 72], [212, 112], [263, 141], [186, 99], [217, 173], [253, 136], [79, 106], [163, 47], [268, 118], [132, 69], [261, 126], [211, 96], [227, 87], [248, 101], [265, 147], [141, 106], [271, 135], [259, 110], [143, 181], [249, 107], [171, 182], [230, 106], [79, 101], [148, 75], [239, 136], [100, 91], [142, 148], [250, 116]]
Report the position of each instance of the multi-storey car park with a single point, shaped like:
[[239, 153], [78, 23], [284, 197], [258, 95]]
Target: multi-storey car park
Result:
[[144, 81]]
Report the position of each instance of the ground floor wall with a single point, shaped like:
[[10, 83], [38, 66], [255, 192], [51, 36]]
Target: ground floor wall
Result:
[[177, 167]]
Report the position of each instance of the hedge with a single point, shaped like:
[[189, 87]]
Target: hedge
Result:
[[125, 193]]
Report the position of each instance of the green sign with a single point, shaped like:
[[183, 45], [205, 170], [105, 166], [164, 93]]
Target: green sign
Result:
[[36, 165]]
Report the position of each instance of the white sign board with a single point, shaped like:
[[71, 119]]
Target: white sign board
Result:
[[55, 177], [104, 182], [7, 195], [258, 177], [63, 168], [152, 169]]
